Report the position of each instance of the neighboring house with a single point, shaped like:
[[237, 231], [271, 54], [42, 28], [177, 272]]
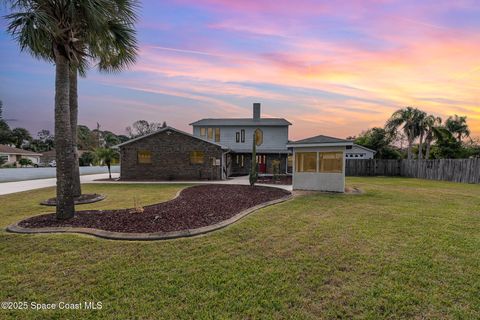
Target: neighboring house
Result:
[[237, 134], [319, 163], [360, 152], [13, 155], [171, 154], [47, 157]]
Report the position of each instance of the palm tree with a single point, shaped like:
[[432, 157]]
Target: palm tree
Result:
[[409, 120], [458, 126], [67, 33], [106, 156], [116, 49], [422, 128], [435, 132]]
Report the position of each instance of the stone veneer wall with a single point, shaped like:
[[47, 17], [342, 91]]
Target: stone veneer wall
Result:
[[170, 158]]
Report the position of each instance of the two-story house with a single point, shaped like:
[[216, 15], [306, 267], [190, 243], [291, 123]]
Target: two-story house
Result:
[[238, 134]]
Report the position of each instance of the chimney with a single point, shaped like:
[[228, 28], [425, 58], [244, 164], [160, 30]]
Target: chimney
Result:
[[256, 111]]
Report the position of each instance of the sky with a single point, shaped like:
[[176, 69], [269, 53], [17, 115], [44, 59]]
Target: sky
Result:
[[330, 67]]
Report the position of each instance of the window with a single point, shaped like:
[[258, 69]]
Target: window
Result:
[[203, 132], [196, 157], [237, 137], [217, 134], [258, 137], [242, 135], [238, 159], [242, 162], [210, 133], [331, 162], [306, 162], [144, 157]]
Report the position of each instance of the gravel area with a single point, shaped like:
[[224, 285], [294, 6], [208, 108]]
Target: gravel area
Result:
[[195, 207]]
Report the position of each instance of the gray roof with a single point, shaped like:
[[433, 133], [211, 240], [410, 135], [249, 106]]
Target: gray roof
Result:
[[165, 129], [11, 150], [321, 139], [241, 122]]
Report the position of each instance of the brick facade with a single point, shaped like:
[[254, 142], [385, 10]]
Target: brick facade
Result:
[[170, 158]]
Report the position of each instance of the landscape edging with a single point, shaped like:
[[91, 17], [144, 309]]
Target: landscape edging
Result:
[[112, 235]]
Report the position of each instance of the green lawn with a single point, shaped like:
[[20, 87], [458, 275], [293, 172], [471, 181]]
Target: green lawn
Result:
[[405, 249]]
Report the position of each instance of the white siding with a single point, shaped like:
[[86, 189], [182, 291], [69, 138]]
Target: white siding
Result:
[[274, 137]]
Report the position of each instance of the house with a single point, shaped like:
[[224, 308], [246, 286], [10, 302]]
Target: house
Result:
[[171, 154], [238, 134], [359, 152], [12, 155], [319, 163]]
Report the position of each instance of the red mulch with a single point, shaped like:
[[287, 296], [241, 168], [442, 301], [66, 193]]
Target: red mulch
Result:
[[196, 207]]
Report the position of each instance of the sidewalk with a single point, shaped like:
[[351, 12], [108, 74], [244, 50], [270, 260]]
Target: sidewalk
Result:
[[18, 186]]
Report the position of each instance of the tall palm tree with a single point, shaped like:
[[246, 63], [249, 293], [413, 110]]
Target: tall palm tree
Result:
[[422, 128], [458, 126], [408, 119], [116, 49], [67, 33]]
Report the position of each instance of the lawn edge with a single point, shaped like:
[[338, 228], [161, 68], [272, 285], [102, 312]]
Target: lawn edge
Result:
[[111, 235]]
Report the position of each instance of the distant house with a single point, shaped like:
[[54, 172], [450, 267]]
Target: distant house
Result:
[[13, 155], [171, 154], [237, 134], [359, 152]]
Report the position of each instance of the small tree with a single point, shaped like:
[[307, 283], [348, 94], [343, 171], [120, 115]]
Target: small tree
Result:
[[3, 160], [106, 156], [87, 159], [25, 162], [253, 177]]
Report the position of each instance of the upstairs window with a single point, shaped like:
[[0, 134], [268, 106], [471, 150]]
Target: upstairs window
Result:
[[258, 137], [242, 135], [331, 162], [203, 132], [210, 133], [217, 134], [196, 157], [144, 157], [237, 137], [306, 162]]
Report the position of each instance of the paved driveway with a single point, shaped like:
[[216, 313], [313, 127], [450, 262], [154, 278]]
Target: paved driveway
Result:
[[18, 186], [22, 174]]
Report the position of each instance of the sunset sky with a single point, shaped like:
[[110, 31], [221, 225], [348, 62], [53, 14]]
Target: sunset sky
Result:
[[329, 67]]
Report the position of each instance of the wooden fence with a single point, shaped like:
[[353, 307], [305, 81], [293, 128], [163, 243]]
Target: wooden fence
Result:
[[456, 170]]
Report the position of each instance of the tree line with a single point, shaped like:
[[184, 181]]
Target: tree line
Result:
[[414, 134]]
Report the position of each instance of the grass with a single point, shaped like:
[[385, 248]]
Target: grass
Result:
[[405, 249]]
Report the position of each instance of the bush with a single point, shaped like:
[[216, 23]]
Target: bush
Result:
[[25, 162], [86, 159]]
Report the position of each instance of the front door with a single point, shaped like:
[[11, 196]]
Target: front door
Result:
[[262, 163]]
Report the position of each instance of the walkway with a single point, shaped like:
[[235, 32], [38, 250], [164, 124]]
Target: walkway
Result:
[[18, 186]]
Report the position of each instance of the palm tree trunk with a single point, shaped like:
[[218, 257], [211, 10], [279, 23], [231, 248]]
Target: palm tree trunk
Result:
[[409, 150], [420, 147], [63, 140], [427, 151], [77, 189]]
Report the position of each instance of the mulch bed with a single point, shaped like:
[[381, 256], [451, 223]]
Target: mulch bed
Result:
[[83, 199], [195, 207]]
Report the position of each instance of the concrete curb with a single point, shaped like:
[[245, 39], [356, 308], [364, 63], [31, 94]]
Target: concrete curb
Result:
[[15, 228], [98, 198]]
